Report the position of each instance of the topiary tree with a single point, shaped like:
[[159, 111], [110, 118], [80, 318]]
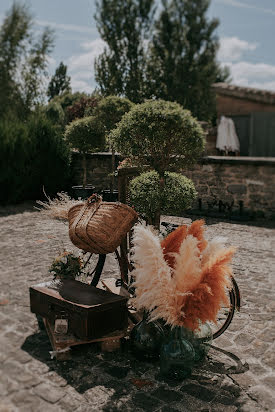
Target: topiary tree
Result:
[[162, 135], [111, 109], [85, 135], [177, 195], [109, 112]]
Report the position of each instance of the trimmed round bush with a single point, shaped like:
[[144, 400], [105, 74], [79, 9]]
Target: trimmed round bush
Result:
[[111, 109], [148, 197], [85, 134], [161, 134]]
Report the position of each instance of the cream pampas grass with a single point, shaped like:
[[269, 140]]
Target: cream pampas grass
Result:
[[187, 271], [154, 288], [57, 208]]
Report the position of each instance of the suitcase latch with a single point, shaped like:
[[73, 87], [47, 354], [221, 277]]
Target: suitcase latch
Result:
[[61, 324]]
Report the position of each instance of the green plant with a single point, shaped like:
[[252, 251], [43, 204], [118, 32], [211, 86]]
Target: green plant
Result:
[[23, 61], [111, 109], [149, 200], [55, 113], [66, 266], [109, 112], [161, 134], [33, 154], [59, 83], [85, 135]]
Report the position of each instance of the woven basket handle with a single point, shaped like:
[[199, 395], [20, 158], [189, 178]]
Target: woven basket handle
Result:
[[95, 198]]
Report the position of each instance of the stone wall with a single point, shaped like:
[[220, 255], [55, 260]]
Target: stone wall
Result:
[[235, 185], [99, 169], [224, 184]]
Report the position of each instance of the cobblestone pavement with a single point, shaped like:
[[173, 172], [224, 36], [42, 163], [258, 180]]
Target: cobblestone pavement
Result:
[[237, 376]]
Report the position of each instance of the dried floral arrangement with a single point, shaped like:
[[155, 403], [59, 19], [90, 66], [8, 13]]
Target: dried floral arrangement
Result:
[[57, 208], [182, 279]]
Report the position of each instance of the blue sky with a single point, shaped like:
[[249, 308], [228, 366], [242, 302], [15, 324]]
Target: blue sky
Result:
[[246, 32]]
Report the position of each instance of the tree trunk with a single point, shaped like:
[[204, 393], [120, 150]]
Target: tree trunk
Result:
[[84, 166], [156, 219], [113, 170]]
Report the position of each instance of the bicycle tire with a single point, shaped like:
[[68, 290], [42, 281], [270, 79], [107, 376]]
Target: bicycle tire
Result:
[[235, 303]]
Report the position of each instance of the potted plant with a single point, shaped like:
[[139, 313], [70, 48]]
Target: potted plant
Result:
[[163, 137], [86, 135]]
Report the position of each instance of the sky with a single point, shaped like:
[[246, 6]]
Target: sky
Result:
[[246, 33]]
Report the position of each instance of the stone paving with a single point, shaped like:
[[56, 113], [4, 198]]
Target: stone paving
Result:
[[237, 376]]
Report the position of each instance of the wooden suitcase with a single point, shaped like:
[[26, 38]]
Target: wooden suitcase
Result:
[[80, 309]]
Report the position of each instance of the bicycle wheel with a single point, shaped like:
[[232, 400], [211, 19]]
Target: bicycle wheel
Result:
[[226, 314]]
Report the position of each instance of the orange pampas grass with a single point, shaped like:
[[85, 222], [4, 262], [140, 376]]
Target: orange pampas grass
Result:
[[197, 230], [171, 244], [205, 301]]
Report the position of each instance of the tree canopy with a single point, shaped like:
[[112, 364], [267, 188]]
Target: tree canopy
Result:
[[161, 134], [169, 55], [23, 61], [124, 25], [59, 83]]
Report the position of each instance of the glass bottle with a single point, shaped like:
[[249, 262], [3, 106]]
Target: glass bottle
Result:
[[202, 340], [177, 354], [146, 339]]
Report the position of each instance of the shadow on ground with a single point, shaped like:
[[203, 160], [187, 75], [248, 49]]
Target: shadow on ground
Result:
[[16, 209], [135, 384]]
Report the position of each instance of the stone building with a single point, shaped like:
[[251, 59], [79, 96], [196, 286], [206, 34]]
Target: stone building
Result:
[[253, 112]]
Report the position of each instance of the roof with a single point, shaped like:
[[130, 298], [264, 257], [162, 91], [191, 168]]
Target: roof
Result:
[[248, 93]]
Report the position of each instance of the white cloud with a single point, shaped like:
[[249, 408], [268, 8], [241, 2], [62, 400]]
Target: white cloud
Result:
[[243, 73], [67, 27], [240, 4], [232, 48], [258, 75], [51, 62], [81, 66]]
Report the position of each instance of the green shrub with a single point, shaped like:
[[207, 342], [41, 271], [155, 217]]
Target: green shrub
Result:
[[149, 198], [14, 160], [55, 113], [161, 134], [111, 109], [50, 157], [33, 154], [85, 135]]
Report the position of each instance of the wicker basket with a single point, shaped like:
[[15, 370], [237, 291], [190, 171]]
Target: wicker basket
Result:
[[99, 227]]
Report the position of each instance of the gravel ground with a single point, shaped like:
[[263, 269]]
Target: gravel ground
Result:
[[238, 375]]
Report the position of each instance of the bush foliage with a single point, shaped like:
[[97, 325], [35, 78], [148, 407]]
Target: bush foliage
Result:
[[161, 134], [33, 154], [149, 198], [111, 109], [85, 135], [80, 108]]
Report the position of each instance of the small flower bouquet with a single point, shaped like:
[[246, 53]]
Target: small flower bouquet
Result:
[[66, 266]]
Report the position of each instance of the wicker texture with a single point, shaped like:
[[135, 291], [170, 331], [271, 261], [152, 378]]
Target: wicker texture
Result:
[[99, 227]]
